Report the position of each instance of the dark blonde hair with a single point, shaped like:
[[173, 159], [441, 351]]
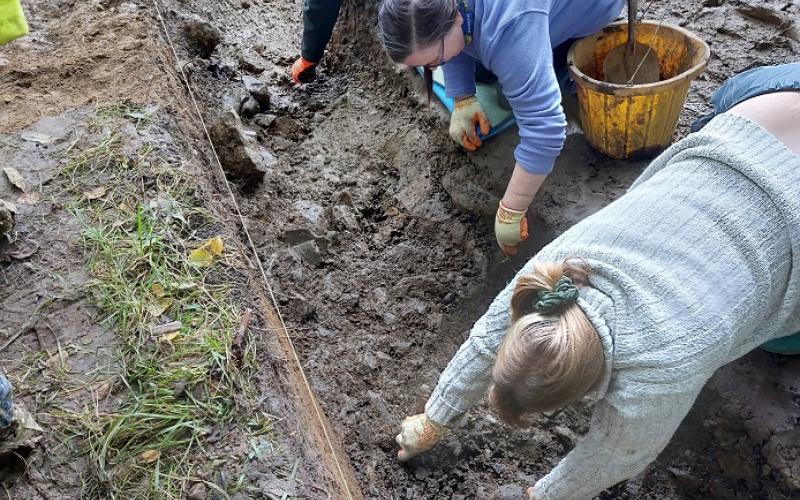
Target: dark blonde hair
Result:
[[546, 362]]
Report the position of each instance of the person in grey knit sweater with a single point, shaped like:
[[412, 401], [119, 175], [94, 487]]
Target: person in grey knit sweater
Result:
[[638, 305]]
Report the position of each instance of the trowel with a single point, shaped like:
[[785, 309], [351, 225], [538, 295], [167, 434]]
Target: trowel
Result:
[[632, 62]]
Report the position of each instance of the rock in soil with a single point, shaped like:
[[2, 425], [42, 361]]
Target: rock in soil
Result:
[[7, 212], [258, 90], [241, 157], [203, 36], [197, 492], [250, 61]]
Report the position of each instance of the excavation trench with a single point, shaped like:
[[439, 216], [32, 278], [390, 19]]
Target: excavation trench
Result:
[[378, 234]]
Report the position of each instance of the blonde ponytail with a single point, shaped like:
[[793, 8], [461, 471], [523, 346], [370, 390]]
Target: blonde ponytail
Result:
[[552, 355]]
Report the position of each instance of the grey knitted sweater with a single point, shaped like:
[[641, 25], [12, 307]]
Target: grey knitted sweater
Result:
[[696, 265]]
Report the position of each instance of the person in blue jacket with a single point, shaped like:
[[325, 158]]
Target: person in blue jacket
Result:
[[514, 39]]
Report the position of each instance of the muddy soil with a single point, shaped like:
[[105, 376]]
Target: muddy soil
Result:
[[377, 231]]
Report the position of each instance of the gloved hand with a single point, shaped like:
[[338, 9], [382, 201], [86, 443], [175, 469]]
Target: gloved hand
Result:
[[417, 435], [510, 229], [303, 71], [468, 113]]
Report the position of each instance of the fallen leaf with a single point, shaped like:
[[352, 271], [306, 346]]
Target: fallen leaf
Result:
[[150, 456], [170, 337], [160, 307], [215, 245], [204, 256], [15, 178], [31, 198], [38, 137], [201, 257], [95, 193], [103, 389], [158, 290]]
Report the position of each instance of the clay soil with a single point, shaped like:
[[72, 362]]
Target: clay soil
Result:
[[376, 232]]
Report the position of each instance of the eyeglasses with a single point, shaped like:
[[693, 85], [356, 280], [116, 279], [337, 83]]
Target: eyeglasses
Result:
[[441, 58]]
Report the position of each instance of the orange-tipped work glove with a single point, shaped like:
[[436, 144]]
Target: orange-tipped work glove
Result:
[[418, 434], [303, 71], [467, 114], [510, 229]]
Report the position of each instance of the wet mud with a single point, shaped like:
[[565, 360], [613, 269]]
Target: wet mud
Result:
[[377, 232]]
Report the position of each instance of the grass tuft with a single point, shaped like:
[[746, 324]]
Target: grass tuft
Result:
[[173, 389]]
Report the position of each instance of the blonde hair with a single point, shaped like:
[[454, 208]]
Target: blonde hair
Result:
[[546, 362]]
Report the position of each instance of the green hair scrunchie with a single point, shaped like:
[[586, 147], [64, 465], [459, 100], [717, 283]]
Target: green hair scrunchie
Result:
[[564, 293]]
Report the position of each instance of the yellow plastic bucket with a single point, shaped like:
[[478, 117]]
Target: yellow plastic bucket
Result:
[[634, 121]]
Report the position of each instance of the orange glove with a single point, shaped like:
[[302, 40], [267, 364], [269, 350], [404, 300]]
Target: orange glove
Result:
[[510, 229], [303, 71], [467, 114]]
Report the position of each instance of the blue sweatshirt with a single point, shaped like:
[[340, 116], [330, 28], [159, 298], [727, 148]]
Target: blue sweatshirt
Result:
[[514, 39]]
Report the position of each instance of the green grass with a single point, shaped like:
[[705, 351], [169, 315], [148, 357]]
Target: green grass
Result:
[[174, 389]]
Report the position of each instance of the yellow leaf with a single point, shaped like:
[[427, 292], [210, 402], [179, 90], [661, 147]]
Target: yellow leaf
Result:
[[150, 456], [160, 307], [170, 337], [215, 245], [158, 290], [204, 255], [201, 257]]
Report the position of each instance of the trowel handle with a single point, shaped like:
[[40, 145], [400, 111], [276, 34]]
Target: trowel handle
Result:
[[632, 10]]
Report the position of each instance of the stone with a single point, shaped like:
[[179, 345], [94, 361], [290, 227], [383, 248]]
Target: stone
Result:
[[203, 36], [240, 155], [7, 217], [258, 90], [309, 252], [684, 481], [265, 121], [198, 491], [312, 213], [286, 126], [250, 61], [295, 236], [343, 217], [249, 107]]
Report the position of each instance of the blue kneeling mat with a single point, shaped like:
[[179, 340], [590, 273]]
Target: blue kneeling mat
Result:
[[486, 93]]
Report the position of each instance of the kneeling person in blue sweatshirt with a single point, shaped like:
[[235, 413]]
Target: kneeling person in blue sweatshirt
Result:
[[514, 39]]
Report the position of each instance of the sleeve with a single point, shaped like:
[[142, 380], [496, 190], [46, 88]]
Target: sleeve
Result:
[[468, 375], [459, 76], [618, 446], [319, 19], [521, 56]]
